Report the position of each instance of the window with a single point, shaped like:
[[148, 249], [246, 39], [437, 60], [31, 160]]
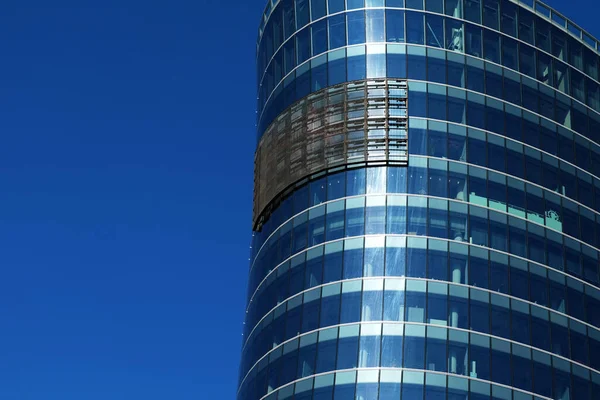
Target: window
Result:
[[526, 28], [473, 40], [491, 46], [356, 27], [436, 6], [436, 66], [289, 18], [454, 8], [336, 67], [508, 20], [319, 37], [542, 35], [454, 35], [559, 44], [302, 46], [415, 28], [336, 6], [375, 32], [456, 69], [510, 58], [356, 63], [473, 10], [353, 4], [416, 4], [318, 73], [396, 61], [376, 61], [302, 17], [435, 31], [491, 14], [527, 60], [416, 63], [337, 31], [317, 9], [475, 111], [395, 25]]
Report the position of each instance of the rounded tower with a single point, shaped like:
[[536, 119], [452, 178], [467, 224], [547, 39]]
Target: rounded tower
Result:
[[426, 203]]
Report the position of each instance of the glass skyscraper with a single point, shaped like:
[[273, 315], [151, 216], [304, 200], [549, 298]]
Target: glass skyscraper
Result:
[[426, 203]]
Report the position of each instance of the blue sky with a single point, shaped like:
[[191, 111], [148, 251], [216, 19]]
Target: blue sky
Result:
[[126, 156], [125, 193]]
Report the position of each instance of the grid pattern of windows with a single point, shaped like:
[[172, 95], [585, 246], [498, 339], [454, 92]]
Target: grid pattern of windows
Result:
[[420, 342], [472, 272], [352, 123], [565, 66]]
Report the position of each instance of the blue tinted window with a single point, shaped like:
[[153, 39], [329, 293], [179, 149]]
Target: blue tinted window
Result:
[[352, 4], [435, 31], [456, 113], [396, 61], [317, 9], [509, 53], [302, 46], [417, 63], [356, 27], [475, 75], [491, 14], [302, 17], [436, 97], [374, 26], [318, 73], [418, 100], [394, 3], [350, 313], [376, 61], [395, 25], [475, 111], [454, 8], [436, 66], [347, 353], [337, 69], [391, 355], [491, 46], [480, 313], [508, 19], [473, 10], [396, 180], [356, 67], [527, 60], [353, 260], [480, 357], [336, 6], [436, 356], [456, 70], [473, 40], [303, 80], [500, 361], [289, 18], [436, 6], [319, 37], [417, 4], [289, 57], [337, 31], [414, 353], [415, 30]]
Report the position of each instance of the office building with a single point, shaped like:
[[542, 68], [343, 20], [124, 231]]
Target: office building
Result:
[[426, 204]]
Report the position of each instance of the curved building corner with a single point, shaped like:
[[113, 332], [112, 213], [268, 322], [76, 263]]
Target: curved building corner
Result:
[[426, 203]]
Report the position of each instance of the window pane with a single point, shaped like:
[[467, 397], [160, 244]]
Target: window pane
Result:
[[356, 27], [395, 25]]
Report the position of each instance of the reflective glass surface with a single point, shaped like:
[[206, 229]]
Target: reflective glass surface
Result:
[[469, 272]]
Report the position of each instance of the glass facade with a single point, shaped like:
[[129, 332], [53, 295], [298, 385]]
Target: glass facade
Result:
[[427, 203]]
